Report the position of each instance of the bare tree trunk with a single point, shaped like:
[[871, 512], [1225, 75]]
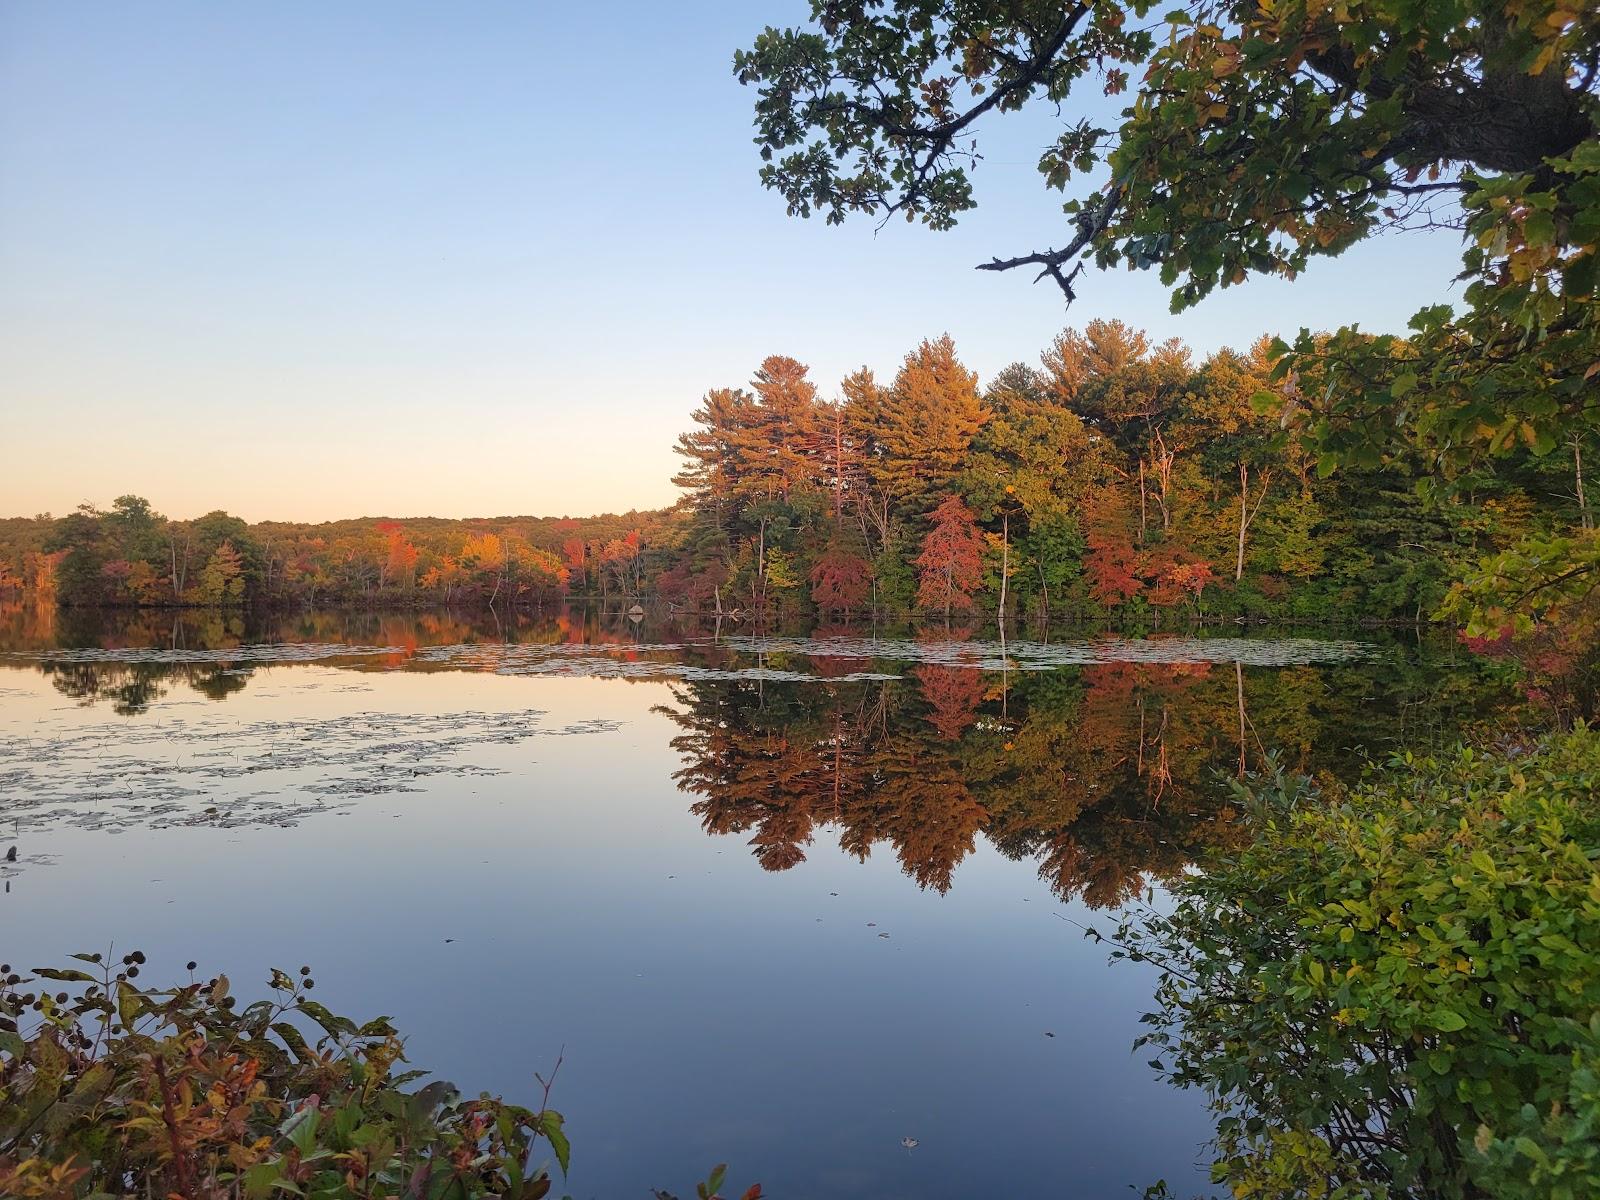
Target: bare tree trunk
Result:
[[1583, 503], [1247, 513], [839, 468], [761, 562], [496, 592], [180, 568], [1244, 521], [1005, 568], [1162, 462], [1142, 517]]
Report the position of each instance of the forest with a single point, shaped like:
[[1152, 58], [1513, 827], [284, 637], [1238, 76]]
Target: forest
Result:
[[132, 556], [1390, 988], [1112, 479]]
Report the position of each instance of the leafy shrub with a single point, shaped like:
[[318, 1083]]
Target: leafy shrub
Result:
[[1395, 989], [122, 1090], [119, 1090]]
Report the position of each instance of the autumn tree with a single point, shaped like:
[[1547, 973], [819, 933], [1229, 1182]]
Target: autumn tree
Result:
[[950, 566], [927, 421], [575, 554], [1135, 405], [620, 560], [222, 578], [1258, 138], [1234, 433], [1030, 469], [1112, 565], [841, 580], [715, 451], [784, 441], [400, 560]]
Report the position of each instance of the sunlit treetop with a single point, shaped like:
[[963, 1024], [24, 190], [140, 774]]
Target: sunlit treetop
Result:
[[1255, 135]]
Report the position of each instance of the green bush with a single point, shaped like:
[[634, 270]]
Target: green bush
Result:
[[1394, 990]]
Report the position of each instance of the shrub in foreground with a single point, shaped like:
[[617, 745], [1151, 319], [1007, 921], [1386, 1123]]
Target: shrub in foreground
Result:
[[108, 1088], [1394, 990]]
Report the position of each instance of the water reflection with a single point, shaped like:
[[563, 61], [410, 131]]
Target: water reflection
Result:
[[131, 688], [1107, 774], [1107, 777], [428, 763]]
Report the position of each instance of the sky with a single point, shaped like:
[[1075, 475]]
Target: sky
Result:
[[304, 261]]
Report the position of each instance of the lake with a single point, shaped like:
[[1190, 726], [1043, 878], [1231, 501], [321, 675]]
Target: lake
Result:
[[809, 903]]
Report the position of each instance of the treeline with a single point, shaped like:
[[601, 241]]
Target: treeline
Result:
[[1115, 477], [130, 555]]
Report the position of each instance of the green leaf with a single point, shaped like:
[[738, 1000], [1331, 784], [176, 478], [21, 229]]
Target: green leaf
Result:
[[334, 1026], [130, 1004], [550, 1124], [293, 1039]]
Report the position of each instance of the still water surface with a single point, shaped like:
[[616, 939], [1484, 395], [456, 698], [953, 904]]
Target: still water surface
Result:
[[783, 902]]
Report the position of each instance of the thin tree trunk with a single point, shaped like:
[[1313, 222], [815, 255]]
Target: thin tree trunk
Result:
[[1244, 524], [838, 467], [1162, 463], [1247, 513], [1583, 502], [180, 570], [1005, 568], [1142, 517], [761, 563]]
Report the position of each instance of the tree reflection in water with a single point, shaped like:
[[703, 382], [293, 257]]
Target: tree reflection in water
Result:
[[1109, 777]]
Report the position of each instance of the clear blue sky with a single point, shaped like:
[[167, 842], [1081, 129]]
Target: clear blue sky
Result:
[[312, 260]]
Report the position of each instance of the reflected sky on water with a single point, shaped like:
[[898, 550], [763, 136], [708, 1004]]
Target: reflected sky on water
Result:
[[781, 902]]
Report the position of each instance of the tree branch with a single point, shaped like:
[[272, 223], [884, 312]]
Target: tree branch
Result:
[[1090, 226]]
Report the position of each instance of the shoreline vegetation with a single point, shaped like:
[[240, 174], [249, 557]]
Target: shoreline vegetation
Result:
[[650, 607], [1116, 481], [1390, 989], [116, 1088]]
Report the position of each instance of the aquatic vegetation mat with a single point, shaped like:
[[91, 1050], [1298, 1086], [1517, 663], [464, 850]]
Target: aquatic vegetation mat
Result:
[[224, 772]]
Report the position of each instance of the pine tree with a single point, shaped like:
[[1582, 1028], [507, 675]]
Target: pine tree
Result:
[[928, 421], [951, 562]]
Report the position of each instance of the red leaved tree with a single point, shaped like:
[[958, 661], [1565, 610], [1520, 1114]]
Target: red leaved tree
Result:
[[840, 581], [1112, 563], [951, 562]]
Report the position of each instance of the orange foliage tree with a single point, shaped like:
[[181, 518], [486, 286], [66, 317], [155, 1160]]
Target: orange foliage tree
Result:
[[951, 563]]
